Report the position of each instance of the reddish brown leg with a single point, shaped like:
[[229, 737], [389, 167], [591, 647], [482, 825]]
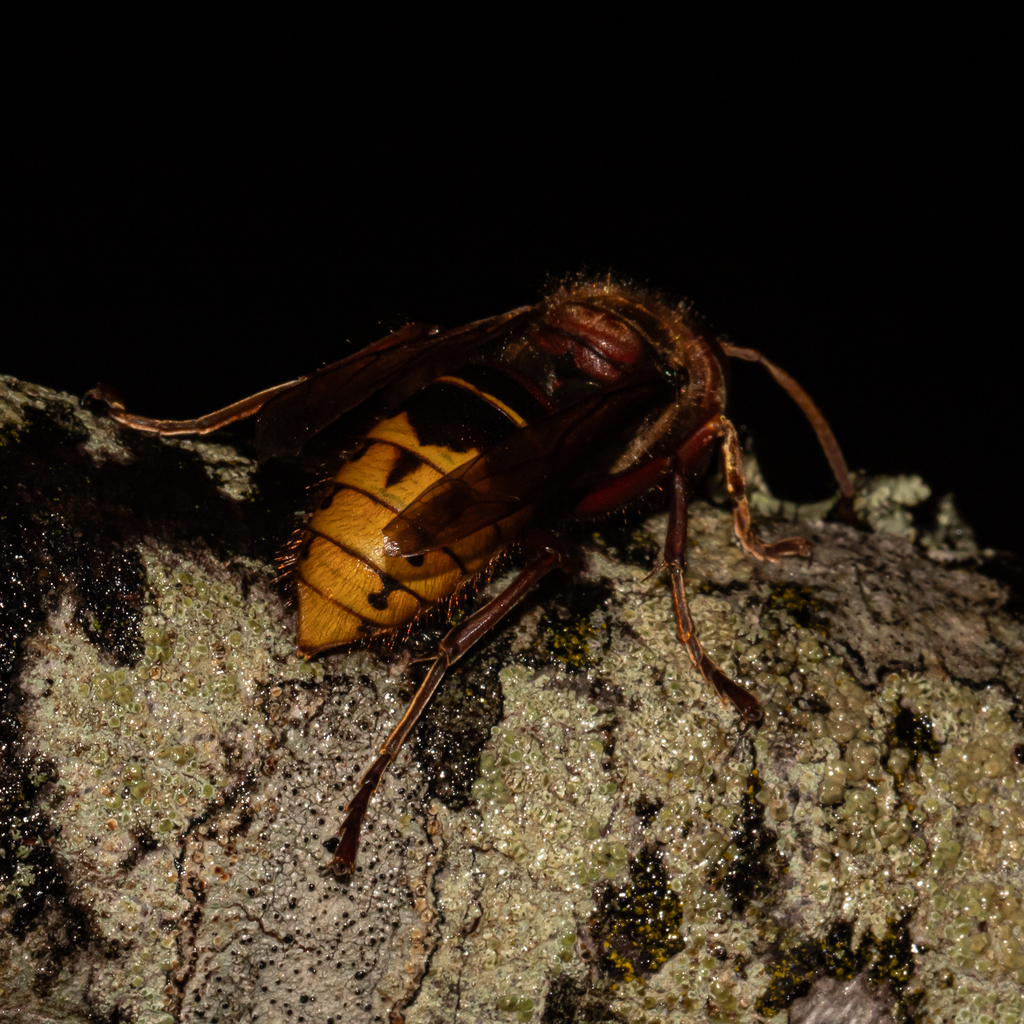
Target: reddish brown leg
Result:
[[675, 557], [106, 396], [691, 452], [546, 553], [732, 463]]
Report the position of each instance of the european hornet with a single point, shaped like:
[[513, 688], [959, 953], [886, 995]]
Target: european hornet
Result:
[[489, 433]]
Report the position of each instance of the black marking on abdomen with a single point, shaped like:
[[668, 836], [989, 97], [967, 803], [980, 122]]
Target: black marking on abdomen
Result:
[[366, 623], [375, 498], [388, 582], [455, 558], [389, 585], [406, 463]]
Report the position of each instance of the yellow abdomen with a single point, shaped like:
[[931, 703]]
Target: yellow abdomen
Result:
[[348, 587]]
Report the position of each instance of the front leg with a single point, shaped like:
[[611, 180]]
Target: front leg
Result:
[[675, 558], [732, 465], [691, 454], [544, 553]]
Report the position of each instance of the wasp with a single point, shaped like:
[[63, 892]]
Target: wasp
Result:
[[487, 435]]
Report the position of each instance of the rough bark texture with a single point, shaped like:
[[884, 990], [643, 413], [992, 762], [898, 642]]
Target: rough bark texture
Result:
[[582, 831]]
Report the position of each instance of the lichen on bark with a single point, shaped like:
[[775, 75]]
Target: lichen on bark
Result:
[[171, 770]]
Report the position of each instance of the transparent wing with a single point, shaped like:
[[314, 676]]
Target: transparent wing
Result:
[[411, 356], [537, 462]]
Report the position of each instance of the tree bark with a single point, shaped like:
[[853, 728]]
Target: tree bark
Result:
[[582, 831]]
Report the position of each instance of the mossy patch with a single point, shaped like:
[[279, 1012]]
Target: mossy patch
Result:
[[913, 732], [639, 926], [569, 1002], [755, 869], [802, 605], [888, 960], [576, 635]]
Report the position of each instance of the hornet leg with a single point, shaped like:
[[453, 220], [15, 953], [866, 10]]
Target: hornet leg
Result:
[[675, 557], [546, 553]]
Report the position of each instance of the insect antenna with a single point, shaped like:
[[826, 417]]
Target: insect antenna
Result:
[[827, 440]]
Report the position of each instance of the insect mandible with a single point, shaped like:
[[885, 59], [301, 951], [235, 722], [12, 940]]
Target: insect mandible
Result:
[[488, 434]]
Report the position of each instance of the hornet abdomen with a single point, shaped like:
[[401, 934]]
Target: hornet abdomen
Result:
[[349, 586]]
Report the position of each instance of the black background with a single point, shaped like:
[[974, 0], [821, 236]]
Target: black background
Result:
[[194, 220]]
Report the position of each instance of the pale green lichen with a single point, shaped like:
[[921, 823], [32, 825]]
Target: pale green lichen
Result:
[[951, 539], [886, 503], [195, 790], [143, 752], [867, 838]]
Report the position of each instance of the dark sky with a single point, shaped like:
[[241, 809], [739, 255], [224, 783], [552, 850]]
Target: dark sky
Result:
[[193, 227]]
